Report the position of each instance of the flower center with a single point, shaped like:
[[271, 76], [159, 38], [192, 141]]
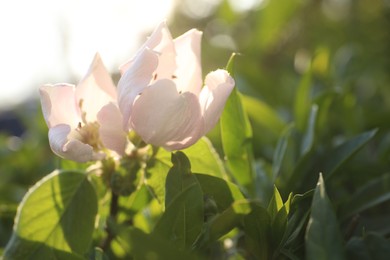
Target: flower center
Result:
[[88, 132]]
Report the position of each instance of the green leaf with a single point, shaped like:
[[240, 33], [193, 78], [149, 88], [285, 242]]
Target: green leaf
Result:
[[223, 223], [323, 238], [272, 20], [204, 158], [371, 194], [275, 204], [56, 219], [342, 153], [280, 152], [147, 246], [182, 220], [257, 230], [156, 172], [236, 135], [371, 246], [222, 192], [179, 177], [262, 115], [303, 101], [308, 138]]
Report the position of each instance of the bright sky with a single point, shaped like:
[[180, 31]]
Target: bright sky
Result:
[[50, 41]]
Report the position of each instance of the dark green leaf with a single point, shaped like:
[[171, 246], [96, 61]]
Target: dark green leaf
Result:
[[370, 246], [323, 238], [147, 246], [280, 151], [340, 154], [257, 229], [308, 138], [55, 219], [371, 194], [222, 192], [182, 220]]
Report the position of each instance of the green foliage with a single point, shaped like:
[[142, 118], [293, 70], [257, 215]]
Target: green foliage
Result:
[[55, 219], [323, 238], [311, 96]]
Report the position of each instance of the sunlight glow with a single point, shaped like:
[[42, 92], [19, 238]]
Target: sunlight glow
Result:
[[47, 41]]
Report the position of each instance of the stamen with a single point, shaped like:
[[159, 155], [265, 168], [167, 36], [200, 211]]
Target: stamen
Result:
[[174, 77], [155, 76]]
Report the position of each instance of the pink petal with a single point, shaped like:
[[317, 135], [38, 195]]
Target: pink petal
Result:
[[164, 117], [219, 85], [189, 70], [111, 131], [71, 149], [59, 105], [134, 81], [160, 42], [95, 90]]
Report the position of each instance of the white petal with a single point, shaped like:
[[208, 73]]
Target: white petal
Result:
[[59, 105], [189, 70], [95, 90], [164, 117], [71, 149], [134, 81], [219, 85], [111, 131]]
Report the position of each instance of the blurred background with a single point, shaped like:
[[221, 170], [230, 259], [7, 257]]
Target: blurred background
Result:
[[341, 48]]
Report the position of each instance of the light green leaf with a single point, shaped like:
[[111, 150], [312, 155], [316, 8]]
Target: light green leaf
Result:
[[275, 204], [323, 239], [262, 115], [371, 194], [204, 158], [56, 219], [303, 101], [236, 135], [272, 19]]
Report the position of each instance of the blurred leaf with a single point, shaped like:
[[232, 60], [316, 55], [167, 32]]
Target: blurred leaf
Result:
[[272, 20], [236, 134], [182, 220], [55, 219], [204, 158], [371, 246], [222, 192], [343, 152], [262, 115], [308, 138], [369, 195], [280, 151], [147, 246], [323, 238], [303, 101]]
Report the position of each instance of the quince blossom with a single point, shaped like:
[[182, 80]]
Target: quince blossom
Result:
[[84, 120], [160, 92]]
